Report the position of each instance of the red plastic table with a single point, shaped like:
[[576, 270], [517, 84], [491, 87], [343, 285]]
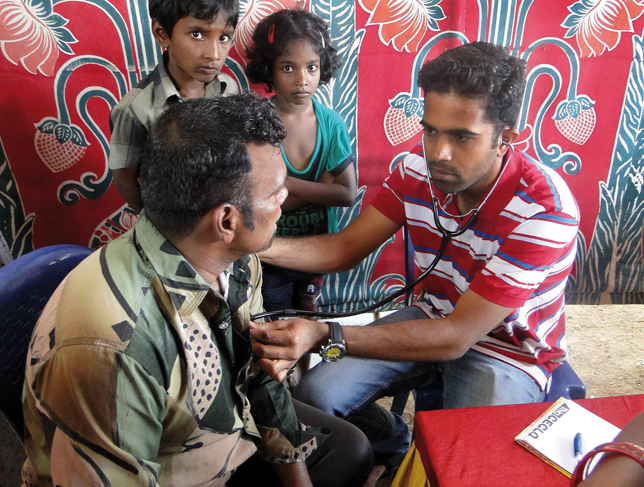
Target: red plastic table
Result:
[[476, 447]]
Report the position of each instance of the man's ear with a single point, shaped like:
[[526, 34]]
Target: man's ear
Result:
[[226, 220], [160, 34], [506, 138]]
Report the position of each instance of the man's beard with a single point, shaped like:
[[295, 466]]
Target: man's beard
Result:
[[268, 244]]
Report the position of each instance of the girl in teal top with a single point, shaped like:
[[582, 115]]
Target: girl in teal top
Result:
[[293, 55]]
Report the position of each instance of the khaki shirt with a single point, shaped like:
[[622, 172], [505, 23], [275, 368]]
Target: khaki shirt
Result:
[[139, 373], [133, 117]]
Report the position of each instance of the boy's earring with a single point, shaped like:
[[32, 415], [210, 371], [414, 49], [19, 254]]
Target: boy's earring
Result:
[[271, 34]]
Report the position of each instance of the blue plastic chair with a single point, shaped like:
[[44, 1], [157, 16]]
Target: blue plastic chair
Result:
[[564, 382], [26, 285]]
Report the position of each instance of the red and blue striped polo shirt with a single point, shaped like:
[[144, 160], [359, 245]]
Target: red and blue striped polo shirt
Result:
[[518, 253]]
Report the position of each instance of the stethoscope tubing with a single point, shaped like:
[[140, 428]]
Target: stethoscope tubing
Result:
[[292, 313], [447, 235]]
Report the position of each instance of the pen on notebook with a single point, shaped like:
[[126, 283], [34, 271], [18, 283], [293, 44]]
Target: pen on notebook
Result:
[[577, 445]]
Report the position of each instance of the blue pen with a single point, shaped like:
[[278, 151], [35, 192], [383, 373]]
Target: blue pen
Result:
[[577, 444]]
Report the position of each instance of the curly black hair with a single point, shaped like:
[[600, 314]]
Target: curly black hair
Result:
[[289, 25], [484, 70], [169, 12], [195, 159]]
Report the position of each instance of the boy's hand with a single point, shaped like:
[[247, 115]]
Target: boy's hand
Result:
[[280, 344], [127, 183]]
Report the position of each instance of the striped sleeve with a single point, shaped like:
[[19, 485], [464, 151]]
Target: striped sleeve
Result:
[[539, 251], [389, 200]]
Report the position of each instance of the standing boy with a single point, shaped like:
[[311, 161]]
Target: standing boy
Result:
[[196, 36]]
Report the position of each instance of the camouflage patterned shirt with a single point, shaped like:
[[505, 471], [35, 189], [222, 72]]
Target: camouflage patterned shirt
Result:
[[133, 117], [139, 373]]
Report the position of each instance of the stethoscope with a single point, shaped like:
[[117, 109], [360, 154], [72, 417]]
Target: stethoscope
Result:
[[447, 235]]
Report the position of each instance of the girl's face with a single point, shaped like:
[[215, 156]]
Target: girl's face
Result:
[[296, 73]]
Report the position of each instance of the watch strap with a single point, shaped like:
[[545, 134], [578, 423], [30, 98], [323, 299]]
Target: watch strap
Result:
[[336, 332]]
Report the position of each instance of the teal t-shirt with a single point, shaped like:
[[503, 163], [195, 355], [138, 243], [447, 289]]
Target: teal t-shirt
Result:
[[332, 153]]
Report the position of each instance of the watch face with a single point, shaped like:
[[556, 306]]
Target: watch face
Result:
[[333, 352]]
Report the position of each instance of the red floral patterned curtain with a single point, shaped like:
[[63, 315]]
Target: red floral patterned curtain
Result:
[[65, 63]]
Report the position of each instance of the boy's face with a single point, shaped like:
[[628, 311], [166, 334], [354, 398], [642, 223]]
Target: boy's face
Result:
[[197, 49]]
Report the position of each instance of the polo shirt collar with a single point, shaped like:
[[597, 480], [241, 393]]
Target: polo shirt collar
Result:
[[166, 92], [505, 188], [185, 287]]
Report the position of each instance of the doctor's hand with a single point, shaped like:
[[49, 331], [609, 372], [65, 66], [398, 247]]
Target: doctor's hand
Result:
[[280, 344]]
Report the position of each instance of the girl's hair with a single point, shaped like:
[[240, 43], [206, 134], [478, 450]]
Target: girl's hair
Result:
[[271, 39]]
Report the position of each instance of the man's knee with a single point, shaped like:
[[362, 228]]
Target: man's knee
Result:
[[315, 394], [353, 456], [345, 457], [355, 445], [479, 380]]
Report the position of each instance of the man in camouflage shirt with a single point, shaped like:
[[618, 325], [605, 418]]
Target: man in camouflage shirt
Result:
[[140, 369]]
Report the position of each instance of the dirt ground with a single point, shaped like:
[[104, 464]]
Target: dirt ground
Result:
[[605, 346]]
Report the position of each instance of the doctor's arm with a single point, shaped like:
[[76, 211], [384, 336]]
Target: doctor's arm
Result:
[[333, 252], [279, 344]]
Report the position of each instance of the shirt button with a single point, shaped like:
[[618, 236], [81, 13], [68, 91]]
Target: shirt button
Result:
[[224, 325]]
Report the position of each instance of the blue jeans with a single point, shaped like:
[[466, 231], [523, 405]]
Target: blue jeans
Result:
[[347, 388]]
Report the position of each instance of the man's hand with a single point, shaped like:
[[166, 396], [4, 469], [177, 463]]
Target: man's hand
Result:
[[280, 344], [293, 474]]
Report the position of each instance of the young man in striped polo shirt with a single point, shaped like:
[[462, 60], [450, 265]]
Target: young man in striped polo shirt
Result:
[[490, 319]]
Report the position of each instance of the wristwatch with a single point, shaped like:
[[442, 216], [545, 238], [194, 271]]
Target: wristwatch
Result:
[[336, 348]]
